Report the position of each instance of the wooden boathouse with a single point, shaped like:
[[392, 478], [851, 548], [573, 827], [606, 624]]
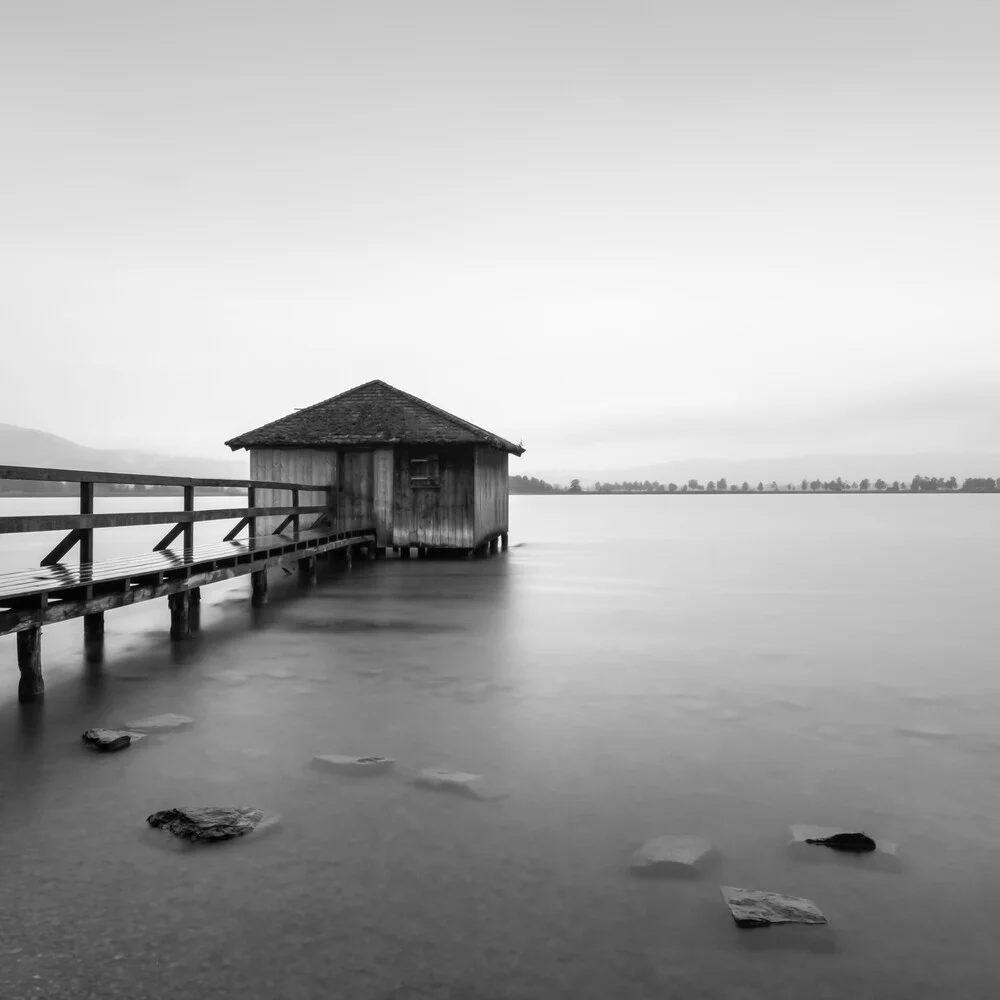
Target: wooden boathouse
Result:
[[369, 470], [421, 477]]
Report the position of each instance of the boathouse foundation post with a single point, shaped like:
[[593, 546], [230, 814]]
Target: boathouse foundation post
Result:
[[30, 687], [503, 542]]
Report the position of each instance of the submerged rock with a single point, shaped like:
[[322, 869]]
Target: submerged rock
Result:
[[672, 855], [109, 740], [206, 824], [165, 721], [472, 786], [345, 764], [756, 908]]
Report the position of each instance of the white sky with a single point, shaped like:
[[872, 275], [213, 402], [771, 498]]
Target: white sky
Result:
[[622, 231]]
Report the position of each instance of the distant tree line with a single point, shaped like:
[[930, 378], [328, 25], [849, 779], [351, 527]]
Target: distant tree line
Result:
[[919, 484]]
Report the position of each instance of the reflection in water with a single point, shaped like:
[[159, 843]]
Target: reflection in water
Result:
[[724, 668]]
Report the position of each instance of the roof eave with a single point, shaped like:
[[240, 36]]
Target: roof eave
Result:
[[244, 443]]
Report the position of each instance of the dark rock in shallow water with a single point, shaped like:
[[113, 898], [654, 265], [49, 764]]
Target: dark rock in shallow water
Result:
[[109, 740], [857, 842], [206, 824], [756, 908], [805, 842]]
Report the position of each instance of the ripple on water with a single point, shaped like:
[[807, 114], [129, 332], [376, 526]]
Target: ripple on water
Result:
[[360, 625], [925, 732]]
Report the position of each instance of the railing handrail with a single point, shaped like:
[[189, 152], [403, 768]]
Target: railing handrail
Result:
[[14, 524], [29, 473]]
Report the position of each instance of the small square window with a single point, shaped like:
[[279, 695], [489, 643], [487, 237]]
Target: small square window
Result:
[[424, 472]]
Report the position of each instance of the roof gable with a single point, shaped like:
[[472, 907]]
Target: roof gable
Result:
[[370, 414]]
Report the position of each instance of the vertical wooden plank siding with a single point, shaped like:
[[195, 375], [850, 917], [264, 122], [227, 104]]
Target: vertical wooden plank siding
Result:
[[294, 465], [491, 503], [440, 517], [356, 490], [383, 475]]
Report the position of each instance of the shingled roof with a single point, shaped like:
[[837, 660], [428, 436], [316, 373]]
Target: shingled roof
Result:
[[371, 414]]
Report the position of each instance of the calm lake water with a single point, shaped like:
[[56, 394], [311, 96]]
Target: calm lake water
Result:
[[722, 666]]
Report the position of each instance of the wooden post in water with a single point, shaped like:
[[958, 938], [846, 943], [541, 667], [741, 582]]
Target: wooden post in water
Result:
[[31, 687], [93, 629], [503, 542], [258, 584], [307, 571], [349, 556], [404, 552], [180, 614], [494, 545]]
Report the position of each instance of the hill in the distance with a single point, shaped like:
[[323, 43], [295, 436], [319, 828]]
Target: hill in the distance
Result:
[[25, 446]]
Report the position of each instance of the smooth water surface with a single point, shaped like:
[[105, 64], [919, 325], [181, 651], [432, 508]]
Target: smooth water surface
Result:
[[714, 665]]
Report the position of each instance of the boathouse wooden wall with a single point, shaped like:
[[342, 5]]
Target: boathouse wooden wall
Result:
[[356, 490], [373, 488], [441, 516], [491, 514], [349, 472], [293, 465]]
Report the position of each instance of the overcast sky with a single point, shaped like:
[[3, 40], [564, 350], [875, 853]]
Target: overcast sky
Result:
[[621, 230]]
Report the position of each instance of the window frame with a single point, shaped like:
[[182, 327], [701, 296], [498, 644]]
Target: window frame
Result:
[[431, 463]]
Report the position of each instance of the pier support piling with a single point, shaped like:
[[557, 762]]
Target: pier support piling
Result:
[[258, 584], [93, 628], [307, 571], [404, 552], [31, 687], [503, 542], [180, 614], [349, 556], [494, 546], [195, 593]]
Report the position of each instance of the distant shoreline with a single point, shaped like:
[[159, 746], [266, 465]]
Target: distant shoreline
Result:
[[729, 493]]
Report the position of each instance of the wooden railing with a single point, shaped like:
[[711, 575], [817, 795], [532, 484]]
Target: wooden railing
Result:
[[81, 526]]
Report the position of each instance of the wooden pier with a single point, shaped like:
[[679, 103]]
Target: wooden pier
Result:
[[176, 568]]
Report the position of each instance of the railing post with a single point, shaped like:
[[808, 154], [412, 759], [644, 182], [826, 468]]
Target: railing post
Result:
[[86, 534], [93, 625], [189, 527], [295, 517], [251, 503]]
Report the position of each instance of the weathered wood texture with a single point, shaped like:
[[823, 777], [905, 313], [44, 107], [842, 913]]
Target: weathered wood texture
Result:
[[437, 517], [491, 513], [296, 466], [30, 687], [357, 490], [383, 475]]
